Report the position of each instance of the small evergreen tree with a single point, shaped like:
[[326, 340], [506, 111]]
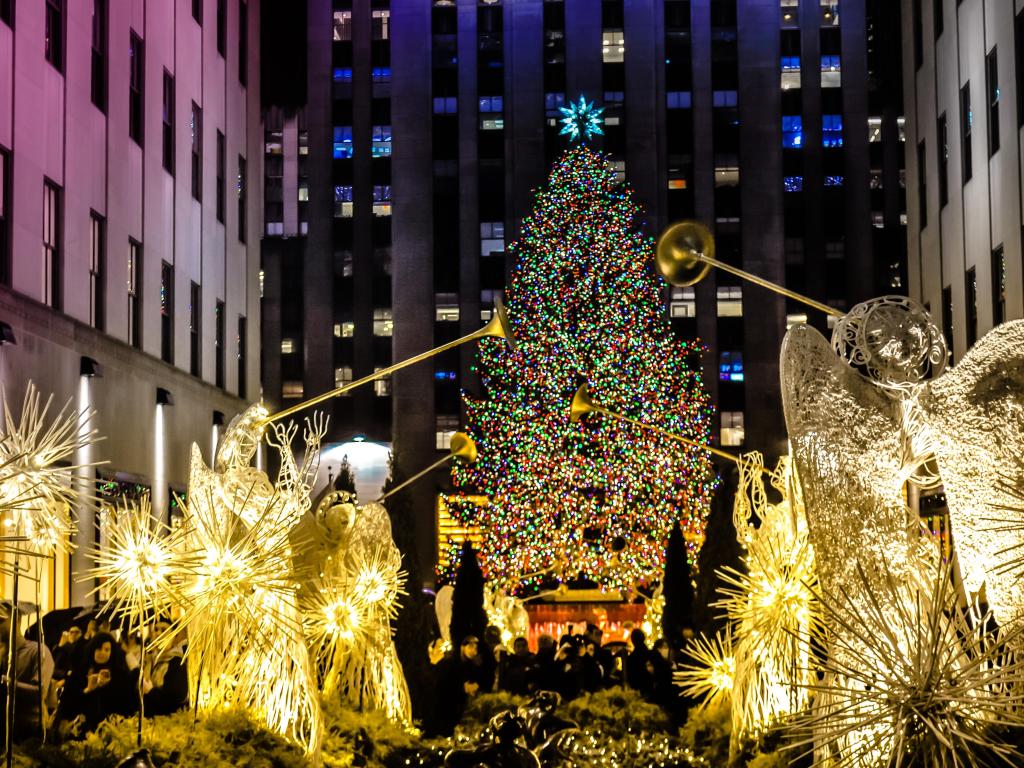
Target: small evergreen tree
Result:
[[346, 479], [677, 588], [468, 615]]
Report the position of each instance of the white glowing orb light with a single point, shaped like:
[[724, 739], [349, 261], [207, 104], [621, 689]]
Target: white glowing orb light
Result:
[[368, 460]]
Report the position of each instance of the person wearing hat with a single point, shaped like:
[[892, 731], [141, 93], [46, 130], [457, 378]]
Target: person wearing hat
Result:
[[33, 669], [458, 680]]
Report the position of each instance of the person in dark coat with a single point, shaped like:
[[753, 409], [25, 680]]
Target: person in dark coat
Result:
[[167, 679], [593, 671], [33, 669], [459, 676], [639, 667], [100, 685], [518, 669], [569, 671], [544, 664]]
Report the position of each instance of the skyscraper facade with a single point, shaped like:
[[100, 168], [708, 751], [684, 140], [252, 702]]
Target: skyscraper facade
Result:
[[427, 126]]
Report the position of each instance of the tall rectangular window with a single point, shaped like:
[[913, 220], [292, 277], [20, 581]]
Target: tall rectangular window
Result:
[[922, 184], [733, 433], [947, 319], [218, 345], [937, 17], [135, 294], [136, 78], [242, 198], [7, 12], [196, 132], [97, 271], [5, 196], [54, 40], [992, 84], [1018, 44], [998, 286], [195, 319], [918, 33], [168, 122], [221, 173], [380, 24], [966, 124], [942, 136], [99, 54], [52, 265], [242, 350], [197, 11], [166, 312], [971, 301], [222, 26], [243, 42]]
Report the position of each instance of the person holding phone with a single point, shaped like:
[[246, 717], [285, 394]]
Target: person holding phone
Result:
[[99, 685]]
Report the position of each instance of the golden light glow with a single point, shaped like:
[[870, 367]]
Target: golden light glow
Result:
[[712, 673]]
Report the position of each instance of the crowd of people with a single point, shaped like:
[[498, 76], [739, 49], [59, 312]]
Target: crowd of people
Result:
[[90, 673], [576, 664]]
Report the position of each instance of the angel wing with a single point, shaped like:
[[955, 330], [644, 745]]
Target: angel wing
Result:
[[846, 444], [975, 412]]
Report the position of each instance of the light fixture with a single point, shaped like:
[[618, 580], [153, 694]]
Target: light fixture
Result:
[[6, 334], [164, 397], [89, 367], [359, 438]]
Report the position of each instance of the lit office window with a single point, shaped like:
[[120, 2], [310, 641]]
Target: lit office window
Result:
[[343, 202], [446, 105], [343, 25], [553, 102], [831, 72], [793, 183], [382, 200], [382, 323], [831, 130], [381, 141], [792, 132], [492, 237], [679, 100], [292, 390], [874, 130], [732, 428], [730, 301], [446, 308], [381, 74], [342, 142], [682, 303], [613, 46], [446, 427], [727, 176], [343, 377], [380, 23], [730, 366], [342, 75], [491, 113], [790, 72], [382, 386], [795, 319], [287, 346]]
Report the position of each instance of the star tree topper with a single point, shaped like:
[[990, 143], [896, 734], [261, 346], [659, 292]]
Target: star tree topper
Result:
[[581, 119]]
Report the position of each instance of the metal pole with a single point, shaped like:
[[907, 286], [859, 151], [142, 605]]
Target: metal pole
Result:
[[12, 683]]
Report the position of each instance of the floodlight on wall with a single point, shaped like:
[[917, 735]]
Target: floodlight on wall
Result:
[[164, 397], [89, 367], [6, 334]]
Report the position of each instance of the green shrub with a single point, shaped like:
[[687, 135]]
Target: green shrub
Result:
[[616, 712], [707, 732]]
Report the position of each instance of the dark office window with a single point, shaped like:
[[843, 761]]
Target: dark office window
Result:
[[992, 83], [5, 216], [918, 33], [922, 184], [7, 12], [135, 294], [242, 197], [52, 257], [947, 319], [54, 42], [168, 122], [242, 350], [97, 271], [1018, 44], [998, 286], [197, 11], [99, 54], [942, 143], [243, 43], [195, 319], [966, 126], [937, 17], [222, 26], [196, 132], [971, 301], [166, 312], [218, 345], [136, 78], [221, 173]]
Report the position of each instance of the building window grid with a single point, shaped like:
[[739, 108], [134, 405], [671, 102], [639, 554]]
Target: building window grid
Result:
[[134, 294], [136, 81], [381, 138], [99, 54], [732, 428], [52, 265], [831, 131], [97, 271], [446, 427]]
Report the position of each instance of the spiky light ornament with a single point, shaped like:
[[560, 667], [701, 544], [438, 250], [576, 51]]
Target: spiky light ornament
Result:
[[712, 672], [37, 472], [925, 684]]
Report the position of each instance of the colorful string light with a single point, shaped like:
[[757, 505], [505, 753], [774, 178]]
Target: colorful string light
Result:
[[598, 498]]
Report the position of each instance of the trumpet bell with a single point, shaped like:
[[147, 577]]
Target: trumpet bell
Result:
[[582, 404], [463, 447], [682, 252], [498, 326]]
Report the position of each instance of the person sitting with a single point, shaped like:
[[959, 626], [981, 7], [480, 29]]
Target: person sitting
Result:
[[70, 645], [168, 679], [33, 669], [99, 685]]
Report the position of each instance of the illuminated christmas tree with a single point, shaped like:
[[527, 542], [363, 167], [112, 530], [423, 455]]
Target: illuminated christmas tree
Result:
[[597, 498]]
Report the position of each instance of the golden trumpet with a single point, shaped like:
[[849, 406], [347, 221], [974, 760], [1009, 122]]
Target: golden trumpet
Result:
[[583, 405], [462, 447], [498, 327], [686, 253]]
